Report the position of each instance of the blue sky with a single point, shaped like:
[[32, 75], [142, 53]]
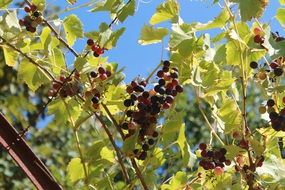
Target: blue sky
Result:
[[140, 60]]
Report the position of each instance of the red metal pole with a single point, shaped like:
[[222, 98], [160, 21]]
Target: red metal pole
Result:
[[25, 158]]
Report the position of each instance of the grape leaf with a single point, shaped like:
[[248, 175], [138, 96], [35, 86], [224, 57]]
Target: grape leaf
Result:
[[73, 28], [5, 3], [230, 115], [282, 2], [10, 56], [178, 182], [165, 11], [218, 22], [280, 16], [187, 156], [151, 35], [12, 20], [127, 10], [107, 154], [31, 75], [57, 60], [251, 9], [75, 169]]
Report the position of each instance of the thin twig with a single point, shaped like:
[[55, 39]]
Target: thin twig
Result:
[[118, 152], [139, 174], [77, 144]]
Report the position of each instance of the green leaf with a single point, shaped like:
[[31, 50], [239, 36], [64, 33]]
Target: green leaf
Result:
[[40, 4], [282, 2], [75, 169], [114, 98], [169, 128], [107, 154], [178, 182], [112, 39], [230, 115], [218, 22], [57, 60], [79, 63], [128, 10], [187, 156], [12, 20], [280, 16], [233, 151], [31, 75], [5, 3], [251, 9], [151, 35], [165, 11], [64, 112], [105, 5], [10, 56], [129, 143], [73, 28]]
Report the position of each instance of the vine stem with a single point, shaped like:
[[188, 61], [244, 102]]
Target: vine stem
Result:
[[139, 174], [77, 144], [118, 152], [206, 119], [28, 58], [133, 161], [246, 130]]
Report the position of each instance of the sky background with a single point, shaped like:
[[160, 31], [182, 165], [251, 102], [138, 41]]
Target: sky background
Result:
[[138, 59]]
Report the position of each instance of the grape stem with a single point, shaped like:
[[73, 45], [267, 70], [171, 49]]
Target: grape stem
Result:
[[118, 152]]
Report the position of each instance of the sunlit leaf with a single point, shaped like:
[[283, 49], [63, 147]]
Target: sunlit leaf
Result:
[[75, 169], [166, 11], [73, 28], [33, 76], [151, 35]]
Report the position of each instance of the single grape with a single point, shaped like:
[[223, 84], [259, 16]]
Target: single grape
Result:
[[270, 103], [253, 65]]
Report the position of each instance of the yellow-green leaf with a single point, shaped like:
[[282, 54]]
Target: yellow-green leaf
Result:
[[31, 75], [73, 28], [10, 56], [75, 169], [280, 16], [151, 35], [107, 154], [5, 3], [165, 11], [187, 156]]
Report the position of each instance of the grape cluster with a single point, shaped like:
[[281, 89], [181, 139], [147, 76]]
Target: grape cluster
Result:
[[258, 37], [144, 106], [212, 159], [275, 69], [33, 19], [97, 50], [67, 86], [97, 76], [277, 37]]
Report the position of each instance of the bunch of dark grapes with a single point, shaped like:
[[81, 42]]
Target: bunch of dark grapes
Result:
[[258, 37], [277, 37], [144, 106], [96, 78], [66, 86], [97, 50], [277, 119], [274, 70], [33, 19], [213, 159]]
